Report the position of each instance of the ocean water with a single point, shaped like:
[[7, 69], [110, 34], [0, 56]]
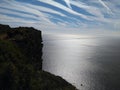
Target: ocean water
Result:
[[89, 63]]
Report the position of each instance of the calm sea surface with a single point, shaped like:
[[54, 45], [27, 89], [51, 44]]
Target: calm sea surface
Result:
[[93, 62]]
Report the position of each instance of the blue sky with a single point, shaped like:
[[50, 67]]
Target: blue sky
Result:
[[62, 15]]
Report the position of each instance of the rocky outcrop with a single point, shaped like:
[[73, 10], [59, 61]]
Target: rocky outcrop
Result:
[[21, 62]]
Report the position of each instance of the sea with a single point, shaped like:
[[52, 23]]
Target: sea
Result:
[[87, 62]]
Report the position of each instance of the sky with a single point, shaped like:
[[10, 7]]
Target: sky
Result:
[[62, 16]]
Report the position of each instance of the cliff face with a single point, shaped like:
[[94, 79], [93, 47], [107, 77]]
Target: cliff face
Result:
[[21, 62], [28, 40]]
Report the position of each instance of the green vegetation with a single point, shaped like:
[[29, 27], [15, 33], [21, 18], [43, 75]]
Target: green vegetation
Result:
[[21, 62]]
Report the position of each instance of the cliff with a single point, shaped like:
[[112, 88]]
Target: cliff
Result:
[[21, 61]]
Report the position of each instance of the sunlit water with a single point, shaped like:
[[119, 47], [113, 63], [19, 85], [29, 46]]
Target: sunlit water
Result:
[[93, 62]]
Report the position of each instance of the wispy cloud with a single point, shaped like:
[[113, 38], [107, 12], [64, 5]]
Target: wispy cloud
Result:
[[105, 6], [68, 3], [58, 5], [44, 9], [92, 10], [54, 15]]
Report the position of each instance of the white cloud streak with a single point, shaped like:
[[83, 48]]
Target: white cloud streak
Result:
[[105, 6], [5, 18], [68, 3], [60, 6], [44, 9], [17, 6], [90, 9], [40, 16]]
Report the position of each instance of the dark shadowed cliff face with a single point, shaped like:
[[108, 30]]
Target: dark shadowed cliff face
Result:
[[21, 62], [28, 40]]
